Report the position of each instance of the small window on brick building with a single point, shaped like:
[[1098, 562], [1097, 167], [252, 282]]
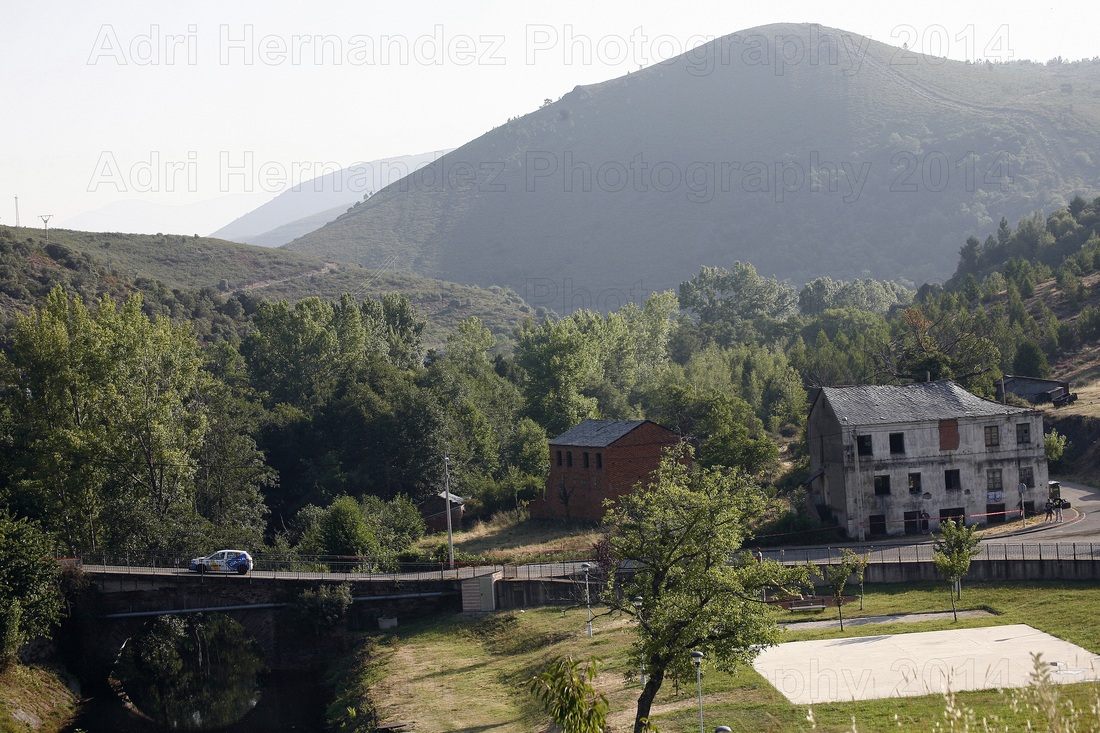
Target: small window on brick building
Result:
[[559, 458], [1023, 433], [599, 461], [864, 445], [992, 435], [1027, 476], [897, 443], [568, 459], [915, 483], [882, 485], [585, 459], [951, 479]]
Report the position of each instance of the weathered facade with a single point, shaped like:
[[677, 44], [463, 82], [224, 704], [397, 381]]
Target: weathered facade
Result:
[[598, 460], [888, 460]]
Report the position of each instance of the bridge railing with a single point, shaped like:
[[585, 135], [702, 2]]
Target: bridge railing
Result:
[[303, 567]]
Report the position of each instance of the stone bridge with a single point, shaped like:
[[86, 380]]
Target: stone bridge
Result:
[[128, 598]]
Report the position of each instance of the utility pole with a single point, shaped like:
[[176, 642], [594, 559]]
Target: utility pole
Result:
[[16, 211], [46, 225], [447, 494]]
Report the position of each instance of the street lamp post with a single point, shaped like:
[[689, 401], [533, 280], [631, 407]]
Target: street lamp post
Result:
[[587, 599], [447, 495], [697, 658], [637, 601]]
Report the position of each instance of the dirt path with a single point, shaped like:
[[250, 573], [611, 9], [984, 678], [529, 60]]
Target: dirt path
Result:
[[328, 267], [900, 618]]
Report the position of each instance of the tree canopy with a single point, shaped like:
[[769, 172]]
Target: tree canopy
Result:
[[679, 569]]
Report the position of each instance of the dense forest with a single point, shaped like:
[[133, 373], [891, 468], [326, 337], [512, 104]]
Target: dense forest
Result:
[[146, 420]]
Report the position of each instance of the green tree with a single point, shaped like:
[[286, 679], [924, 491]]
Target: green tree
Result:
[[342, 530], [30, 597], [1054, 444], [677, 535], [952, 552], [565, 690], [1030, 361], [837, 576], [738, 304], [109, 423], [560, 361]]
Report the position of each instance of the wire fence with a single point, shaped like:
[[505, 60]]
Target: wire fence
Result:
[[1000, 551]]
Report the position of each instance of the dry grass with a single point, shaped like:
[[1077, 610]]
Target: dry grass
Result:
[[33, 699], [514, 537]]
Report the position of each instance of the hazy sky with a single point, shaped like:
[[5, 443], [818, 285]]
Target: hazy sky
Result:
[[174, 104]]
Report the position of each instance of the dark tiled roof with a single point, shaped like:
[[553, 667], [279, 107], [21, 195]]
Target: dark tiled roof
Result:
[[945, 400], [596, 433]]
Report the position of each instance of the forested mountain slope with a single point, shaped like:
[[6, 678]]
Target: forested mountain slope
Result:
[[806, 151]]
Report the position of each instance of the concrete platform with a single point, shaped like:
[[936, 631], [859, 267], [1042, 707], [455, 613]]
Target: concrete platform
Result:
[[907, 665]]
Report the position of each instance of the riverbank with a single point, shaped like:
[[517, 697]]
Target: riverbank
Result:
[[34, 699]]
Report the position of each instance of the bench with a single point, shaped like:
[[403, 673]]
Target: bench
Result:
[[806, 606]]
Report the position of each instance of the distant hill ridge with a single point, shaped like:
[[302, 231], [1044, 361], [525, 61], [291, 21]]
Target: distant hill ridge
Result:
[[311, 204], [805, 150]]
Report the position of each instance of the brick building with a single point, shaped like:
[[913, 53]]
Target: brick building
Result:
[[598, 460]]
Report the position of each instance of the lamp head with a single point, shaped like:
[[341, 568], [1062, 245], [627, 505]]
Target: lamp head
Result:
[[697, 657]]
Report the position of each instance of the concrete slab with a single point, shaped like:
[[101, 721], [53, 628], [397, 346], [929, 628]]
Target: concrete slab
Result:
[[907, 665]]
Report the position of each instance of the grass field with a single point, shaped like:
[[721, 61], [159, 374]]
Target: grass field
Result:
[[467, 674]]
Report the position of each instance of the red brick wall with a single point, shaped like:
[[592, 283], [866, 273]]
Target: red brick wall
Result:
[[626, 462]]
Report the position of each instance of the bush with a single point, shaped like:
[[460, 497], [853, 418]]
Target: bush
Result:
[[322, 608]]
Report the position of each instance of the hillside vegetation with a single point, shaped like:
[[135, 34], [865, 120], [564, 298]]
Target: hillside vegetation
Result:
[[195, 277], [848, 159]]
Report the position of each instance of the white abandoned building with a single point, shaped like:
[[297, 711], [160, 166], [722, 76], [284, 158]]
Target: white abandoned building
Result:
[[896, 460]]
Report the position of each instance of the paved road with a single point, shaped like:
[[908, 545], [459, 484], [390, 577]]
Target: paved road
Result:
[[1085, 501], [1077, 536]]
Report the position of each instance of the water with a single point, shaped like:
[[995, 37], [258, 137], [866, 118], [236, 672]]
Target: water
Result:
[[201, 673]]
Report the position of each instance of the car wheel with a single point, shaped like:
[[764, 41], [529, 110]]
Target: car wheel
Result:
[[242, 570]]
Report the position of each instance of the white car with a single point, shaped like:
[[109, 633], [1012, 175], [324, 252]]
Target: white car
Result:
[[223, 561]]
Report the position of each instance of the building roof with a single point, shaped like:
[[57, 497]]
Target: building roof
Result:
[[943, 400], [596, 433]]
